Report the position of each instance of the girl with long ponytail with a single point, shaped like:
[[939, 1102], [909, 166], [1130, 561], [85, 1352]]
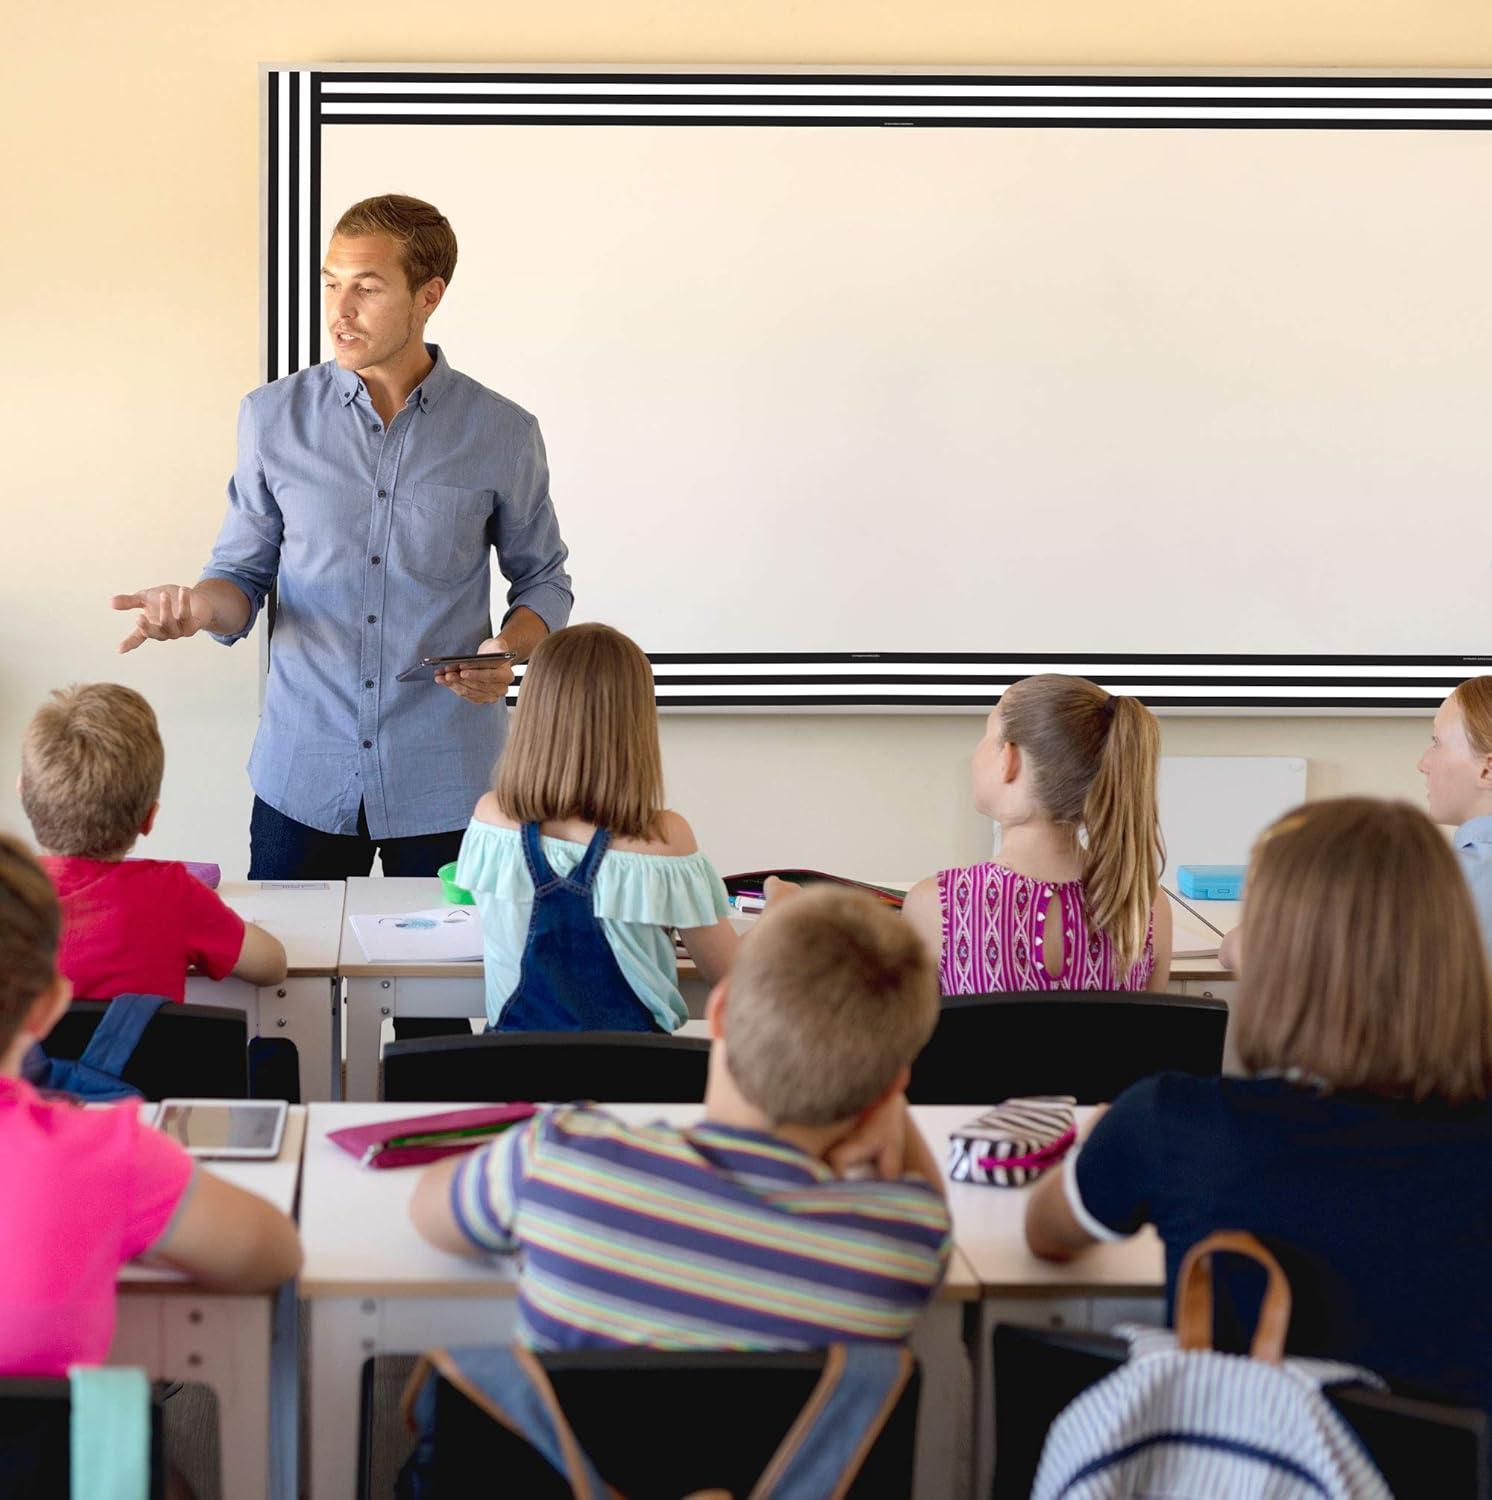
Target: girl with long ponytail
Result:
[[1073, 902]]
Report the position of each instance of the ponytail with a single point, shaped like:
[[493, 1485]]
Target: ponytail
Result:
[[1125, 852], [1095, 762]]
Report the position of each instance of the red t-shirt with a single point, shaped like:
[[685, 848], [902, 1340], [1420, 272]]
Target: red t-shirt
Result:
[[134, 927]]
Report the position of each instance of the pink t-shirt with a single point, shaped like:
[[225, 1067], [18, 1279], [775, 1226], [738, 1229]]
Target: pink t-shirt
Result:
[[85, 1190], [134, 927]]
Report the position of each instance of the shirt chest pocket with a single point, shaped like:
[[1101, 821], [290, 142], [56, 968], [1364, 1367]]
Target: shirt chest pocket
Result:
[[440, 533]]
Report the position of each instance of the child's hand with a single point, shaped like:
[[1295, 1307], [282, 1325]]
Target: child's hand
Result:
[[777, 891], [878, 1141]]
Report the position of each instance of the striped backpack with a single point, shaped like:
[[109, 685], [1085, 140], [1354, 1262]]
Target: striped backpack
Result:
[[1181, 1420]]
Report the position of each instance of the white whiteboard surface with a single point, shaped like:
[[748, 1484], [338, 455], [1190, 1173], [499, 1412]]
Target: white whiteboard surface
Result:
[[1213, 807], [1093, 395]]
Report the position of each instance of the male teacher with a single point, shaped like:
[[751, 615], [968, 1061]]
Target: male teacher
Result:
[[370, 490]]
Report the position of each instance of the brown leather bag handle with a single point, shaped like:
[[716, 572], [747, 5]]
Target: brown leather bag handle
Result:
[[1194, 1296]]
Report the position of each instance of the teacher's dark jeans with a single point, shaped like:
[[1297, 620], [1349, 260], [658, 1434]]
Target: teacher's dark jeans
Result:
[[282, 849]]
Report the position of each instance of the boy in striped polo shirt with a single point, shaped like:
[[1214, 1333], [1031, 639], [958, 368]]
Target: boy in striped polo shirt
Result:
[[804, 1209]]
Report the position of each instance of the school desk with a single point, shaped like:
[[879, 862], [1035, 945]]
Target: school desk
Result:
[[245, 1346], [373, 1286], [305, 1007], [1110, 1284]]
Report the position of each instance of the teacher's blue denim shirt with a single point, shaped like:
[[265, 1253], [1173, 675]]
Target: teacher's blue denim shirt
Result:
[[1473, 845], [379, 542]]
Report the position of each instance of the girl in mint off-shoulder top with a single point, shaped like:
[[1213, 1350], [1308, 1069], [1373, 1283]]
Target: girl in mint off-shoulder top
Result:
[[578, 872]]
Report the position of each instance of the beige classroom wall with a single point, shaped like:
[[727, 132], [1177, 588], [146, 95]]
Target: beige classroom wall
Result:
[[130, 269]]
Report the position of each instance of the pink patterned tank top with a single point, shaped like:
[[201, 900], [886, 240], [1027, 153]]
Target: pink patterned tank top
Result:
[[993, 925]]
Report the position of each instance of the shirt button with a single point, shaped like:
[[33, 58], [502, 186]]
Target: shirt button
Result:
[[372, 619], [383, 494], [367, 682], [376, 559], [377, 428], [367, 744]]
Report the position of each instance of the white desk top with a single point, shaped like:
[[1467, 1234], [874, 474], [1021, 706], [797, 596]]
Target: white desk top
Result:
[[359, 1241], [306, 916], [277, 1180], [988, 1226], [381, 895]]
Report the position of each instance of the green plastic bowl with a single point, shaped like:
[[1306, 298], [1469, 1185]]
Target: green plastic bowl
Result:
[[454, 893]]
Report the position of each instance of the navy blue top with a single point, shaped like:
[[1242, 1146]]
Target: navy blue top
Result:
[[381, 543], [1379, 1210]]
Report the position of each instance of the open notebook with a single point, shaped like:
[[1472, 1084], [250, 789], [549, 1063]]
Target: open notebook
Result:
[[438, 935]]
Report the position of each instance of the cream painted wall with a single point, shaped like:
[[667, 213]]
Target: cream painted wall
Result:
[[130, 266]]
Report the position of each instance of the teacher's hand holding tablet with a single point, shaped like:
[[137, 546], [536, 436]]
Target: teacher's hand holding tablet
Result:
[[479, 683]]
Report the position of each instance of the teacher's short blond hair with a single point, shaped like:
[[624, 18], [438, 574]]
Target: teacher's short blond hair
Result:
[[1362, 963], [831, 995], [91, 769]]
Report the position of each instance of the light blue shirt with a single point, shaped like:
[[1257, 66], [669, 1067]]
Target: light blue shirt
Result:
[[637, 898], [1473, 845], [380, 543]]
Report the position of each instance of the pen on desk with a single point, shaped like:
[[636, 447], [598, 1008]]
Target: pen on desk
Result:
[[1193, 910]]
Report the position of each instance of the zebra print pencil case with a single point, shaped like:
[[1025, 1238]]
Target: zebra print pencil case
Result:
[[1015, 1142]]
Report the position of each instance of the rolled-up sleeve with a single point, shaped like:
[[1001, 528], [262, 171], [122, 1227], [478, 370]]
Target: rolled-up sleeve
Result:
[[247, 553], [525, 531]]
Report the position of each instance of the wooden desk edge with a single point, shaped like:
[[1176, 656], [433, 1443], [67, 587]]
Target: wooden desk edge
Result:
[[366, 970]]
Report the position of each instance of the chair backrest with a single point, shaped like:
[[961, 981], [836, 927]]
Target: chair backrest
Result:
[[725, 1416], [1420, 1447], [1091, 1044], [187, 1051], [35, 1440], [610, 1067]]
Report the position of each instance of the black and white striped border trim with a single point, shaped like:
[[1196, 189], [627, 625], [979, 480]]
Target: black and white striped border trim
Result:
[[299, 102], [964, 683]]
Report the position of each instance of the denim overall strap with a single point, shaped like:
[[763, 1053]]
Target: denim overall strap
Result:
[[539, 870], [583, 877], [570, 979], [119, 1031]]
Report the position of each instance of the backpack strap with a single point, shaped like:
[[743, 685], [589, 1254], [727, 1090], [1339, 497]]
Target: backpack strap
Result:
[[1194, 1295], [512, 1387], [584, 874], [117, 1035], [826, 1446]]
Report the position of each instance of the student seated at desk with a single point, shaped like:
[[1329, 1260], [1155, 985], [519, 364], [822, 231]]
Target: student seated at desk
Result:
[[1358, 1150], [741, 1232], [91, 768], [1458, 782], [1073, 900], [86, 1190], [578, 870]]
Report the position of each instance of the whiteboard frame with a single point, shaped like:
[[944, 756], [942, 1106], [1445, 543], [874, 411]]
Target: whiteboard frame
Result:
[[298, 100]]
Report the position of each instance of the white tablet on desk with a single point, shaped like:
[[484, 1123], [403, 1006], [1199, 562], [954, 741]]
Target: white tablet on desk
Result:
[[244, 1129]]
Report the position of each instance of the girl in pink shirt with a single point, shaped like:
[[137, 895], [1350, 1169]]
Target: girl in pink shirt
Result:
[[1072, 902], [85, 1190]]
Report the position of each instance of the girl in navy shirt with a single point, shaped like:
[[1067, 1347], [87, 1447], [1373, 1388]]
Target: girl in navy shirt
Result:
[[1359, 1148]]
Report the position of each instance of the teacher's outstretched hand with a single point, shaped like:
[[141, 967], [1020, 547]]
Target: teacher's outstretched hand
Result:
[[173, 611]]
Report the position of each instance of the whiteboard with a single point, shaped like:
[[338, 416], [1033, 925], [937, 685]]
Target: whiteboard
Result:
[[1213, 807], [838, 414]]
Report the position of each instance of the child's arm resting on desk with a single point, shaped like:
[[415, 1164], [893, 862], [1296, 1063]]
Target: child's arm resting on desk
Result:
[[262, 958], [228, 1239], [466, 1204]]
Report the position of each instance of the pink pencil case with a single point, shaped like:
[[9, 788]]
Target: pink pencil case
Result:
[[1013, 1143], [427, 1138]]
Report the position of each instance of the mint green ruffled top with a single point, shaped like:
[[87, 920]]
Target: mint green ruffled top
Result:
[[638, 899]]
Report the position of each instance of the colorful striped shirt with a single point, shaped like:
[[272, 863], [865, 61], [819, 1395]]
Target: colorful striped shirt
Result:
[[712, 1237]]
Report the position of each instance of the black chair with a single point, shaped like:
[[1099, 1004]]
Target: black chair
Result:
[[1421, 1448], [726, 1414], [611, 1067], [35, 1440], [187, 1051], [1092, 1044]]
